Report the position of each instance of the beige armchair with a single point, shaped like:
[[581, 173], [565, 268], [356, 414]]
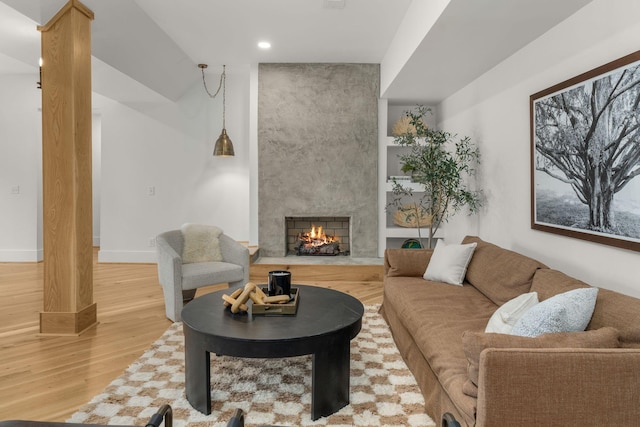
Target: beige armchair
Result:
[[180, 281]]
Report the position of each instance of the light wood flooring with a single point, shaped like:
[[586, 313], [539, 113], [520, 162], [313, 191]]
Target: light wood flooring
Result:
[[49, 378]]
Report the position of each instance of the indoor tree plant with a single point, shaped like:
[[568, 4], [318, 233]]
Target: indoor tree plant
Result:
[[442, 164]]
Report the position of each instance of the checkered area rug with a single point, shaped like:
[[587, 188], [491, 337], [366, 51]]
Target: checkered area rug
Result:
[[383, 392]]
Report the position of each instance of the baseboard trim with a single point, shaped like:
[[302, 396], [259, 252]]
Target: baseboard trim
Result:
[[33, 255], [127, 256]]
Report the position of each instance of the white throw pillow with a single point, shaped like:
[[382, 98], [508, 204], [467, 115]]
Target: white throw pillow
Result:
[[567, 312], [449, 263], [506, 316], [201, 243]]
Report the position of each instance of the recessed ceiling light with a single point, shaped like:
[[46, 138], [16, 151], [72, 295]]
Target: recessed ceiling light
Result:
[[264, 45]]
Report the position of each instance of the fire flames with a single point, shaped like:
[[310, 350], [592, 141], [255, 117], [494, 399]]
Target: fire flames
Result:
[[316, 237], [316, 242]]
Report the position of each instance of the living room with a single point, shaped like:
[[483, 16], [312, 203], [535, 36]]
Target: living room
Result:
[[155, 170], [142, 140]]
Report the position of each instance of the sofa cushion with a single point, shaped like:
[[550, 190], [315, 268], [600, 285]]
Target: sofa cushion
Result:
[[436, 314], [506, 316], [406, 262], [617, 310], [475, 342], [437, 401], [449, 263], [200, 274], [548, 282], [570, 311], [630, 337], [498, 273]]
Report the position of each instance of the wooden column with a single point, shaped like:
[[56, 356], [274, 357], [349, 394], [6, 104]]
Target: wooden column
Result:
[[66, 171]]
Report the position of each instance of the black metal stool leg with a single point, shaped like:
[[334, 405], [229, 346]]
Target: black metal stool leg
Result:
[[165, 413], [449, 420], [237, 420]]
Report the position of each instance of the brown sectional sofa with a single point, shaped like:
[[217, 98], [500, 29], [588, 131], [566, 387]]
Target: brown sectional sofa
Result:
[[557, 382]]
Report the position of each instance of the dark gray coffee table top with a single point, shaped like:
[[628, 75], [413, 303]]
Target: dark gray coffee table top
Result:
[[321, 313]]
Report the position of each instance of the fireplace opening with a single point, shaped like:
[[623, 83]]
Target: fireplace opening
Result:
[[317, 236], [317, 242]]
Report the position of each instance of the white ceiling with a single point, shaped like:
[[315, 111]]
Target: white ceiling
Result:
[[469, 38], [149, 48]]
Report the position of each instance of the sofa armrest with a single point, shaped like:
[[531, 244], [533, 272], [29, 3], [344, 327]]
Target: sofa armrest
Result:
[[406, 262], [235, 253], [561, 387], [169, 264]]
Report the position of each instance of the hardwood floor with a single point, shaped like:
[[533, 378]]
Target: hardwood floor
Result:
[[49, 378]]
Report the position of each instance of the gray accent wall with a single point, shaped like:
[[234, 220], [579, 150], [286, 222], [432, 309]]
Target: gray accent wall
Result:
[[318, 150]]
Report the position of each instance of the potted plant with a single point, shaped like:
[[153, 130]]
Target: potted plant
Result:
[[442, 164]]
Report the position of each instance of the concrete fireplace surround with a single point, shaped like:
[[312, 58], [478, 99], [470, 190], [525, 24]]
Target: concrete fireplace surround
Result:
[[318, 150]]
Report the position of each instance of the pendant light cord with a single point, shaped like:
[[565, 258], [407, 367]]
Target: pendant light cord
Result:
[[223, 85]]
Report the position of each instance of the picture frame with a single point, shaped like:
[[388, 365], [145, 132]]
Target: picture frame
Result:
[[585, 155]]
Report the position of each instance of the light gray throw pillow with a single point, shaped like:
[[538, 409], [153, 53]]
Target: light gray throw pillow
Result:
[[567, 312], [449, 263]]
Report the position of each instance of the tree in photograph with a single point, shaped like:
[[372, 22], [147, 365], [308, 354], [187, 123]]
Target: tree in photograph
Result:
[[442, 166], [589, 138]]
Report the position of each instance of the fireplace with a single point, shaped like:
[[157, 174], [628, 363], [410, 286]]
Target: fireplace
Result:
[[317, 236], [320, 158]]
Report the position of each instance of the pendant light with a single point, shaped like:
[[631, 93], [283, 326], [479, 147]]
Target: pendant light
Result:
[[224, 146]]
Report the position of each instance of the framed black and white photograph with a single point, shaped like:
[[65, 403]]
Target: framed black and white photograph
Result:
[[585, 155]]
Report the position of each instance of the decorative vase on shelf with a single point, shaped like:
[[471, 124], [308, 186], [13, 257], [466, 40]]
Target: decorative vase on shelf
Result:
[[411, 244]]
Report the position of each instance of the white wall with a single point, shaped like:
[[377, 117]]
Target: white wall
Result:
[[96, 165], [169, 147], [20, 168], [494, 111]]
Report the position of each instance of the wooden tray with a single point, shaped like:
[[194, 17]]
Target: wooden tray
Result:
[[289, 308]]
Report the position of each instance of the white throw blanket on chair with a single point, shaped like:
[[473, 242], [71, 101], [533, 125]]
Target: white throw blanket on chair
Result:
[[201, 243]]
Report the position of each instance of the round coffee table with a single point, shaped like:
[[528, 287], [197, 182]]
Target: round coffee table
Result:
[[324, 324]]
